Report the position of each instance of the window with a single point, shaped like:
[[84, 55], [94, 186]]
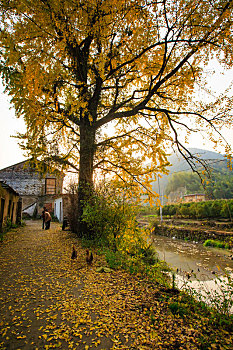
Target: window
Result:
[[50, 186]]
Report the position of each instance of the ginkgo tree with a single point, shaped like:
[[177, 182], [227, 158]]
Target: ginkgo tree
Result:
[[106, 84]]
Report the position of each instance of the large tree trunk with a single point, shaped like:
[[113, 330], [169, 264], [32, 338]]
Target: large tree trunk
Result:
[[85, 186]]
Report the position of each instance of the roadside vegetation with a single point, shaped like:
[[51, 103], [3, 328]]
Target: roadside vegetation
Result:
[[216, 244], [114, 231], [8, 226], [212, 209], [117, 236]]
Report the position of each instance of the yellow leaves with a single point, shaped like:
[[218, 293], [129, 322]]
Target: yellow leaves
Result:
[[89, 305], [97, 342], [21, 336], [53, 346], [121, 34]]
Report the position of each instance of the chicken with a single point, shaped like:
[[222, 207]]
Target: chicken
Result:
[[74, 253], [89, 257]]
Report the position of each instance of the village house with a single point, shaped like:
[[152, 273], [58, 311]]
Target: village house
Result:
[[10, 205], [36, 190], [62, 205], [58, 208], [179, 196], [196, 197]]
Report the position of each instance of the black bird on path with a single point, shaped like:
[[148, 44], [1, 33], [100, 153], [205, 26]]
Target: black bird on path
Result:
[[89, 257], [74, 253]]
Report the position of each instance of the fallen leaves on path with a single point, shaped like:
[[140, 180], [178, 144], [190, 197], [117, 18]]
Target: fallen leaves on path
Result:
[[49, 301]]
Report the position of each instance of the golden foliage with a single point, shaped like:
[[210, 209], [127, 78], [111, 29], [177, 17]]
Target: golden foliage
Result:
[[75, 68]]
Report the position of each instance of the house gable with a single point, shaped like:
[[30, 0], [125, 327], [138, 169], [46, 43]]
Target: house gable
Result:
[[30, 184]]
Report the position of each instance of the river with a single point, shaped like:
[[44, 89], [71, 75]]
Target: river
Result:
[[197, 267]]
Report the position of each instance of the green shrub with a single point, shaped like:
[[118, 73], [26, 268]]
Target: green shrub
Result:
[[201, 210], [215, 209], [216, 244], [112, 219], [177, 308], [1, 235], [184, 210], [147, 210], [114, 259], [108, 215], [227, 209], [148, 255]]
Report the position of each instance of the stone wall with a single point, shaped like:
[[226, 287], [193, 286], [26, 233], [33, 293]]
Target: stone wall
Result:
[[30, 184], [23, 182], [197, 235]]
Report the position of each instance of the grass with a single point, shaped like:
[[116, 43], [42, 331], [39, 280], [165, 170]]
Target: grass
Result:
[[186, 306], [143, 262], [216, 244]]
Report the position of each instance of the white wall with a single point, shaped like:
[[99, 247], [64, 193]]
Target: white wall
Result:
[[58, 208]]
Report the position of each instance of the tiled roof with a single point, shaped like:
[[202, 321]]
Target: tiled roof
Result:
[[20, 164], [194, 194], [7, 187]]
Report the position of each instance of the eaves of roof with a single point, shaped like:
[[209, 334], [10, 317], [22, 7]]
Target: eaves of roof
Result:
[[7, 187]]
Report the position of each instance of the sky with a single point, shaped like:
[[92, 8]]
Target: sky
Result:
[[11, 153]]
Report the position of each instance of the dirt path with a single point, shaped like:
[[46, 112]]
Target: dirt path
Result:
[[48, 302]]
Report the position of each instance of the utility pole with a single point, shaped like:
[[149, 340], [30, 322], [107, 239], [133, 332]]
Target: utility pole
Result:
[[161, 203]]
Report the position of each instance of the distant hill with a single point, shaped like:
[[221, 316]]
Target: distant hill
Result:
[[214, 160]]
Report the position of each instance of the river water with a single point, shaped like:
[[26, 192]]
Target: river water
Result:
[[197, 267], [202, 263]]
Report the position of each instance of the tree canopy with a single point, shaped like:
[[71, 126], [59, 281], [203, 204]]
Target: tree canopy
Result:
[[107, 84], [187, 179], [218, 186]]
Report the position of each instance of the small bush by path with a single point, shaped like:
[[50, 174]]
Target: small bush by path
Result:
[[216, 244]]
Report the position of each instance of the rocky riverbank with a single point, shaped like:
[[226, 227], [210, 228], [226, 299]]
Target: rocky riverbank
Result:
[[197, 231]]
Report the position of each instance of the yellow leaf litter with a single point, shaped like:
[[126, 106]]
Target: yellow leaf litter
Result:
[[49, 301]]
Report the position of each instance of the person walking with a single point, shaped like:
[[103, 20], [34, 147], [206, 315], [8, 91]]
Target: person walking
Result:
[[47, 219], [43, 218]]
